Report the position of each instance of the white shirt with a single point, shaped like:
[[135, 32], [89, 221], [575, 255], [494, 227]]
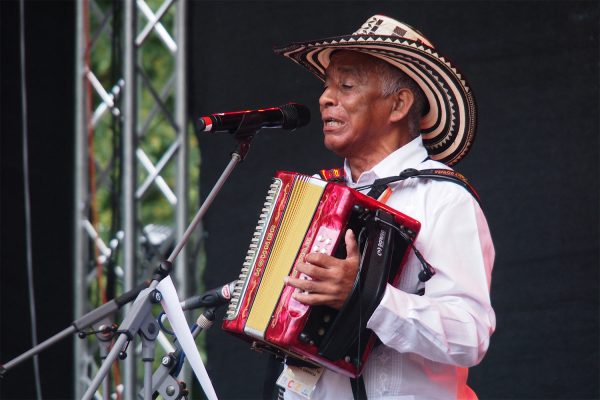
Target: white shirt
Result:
[[428, 341]]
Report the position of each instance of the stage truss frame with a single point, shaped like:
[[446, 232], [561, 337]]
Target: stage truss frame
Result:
[[166, 174]]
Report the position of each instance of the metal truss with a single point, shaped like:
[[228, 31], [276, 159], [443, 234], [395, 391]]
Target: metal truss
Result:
[[138, 111]]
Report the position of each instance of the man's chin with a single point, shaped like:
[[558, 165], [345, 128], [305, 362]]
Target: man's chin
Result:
[[335, 146]]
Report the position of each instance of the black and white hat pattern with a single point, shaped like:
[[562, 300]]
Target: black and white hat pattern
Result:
[[448, 127]]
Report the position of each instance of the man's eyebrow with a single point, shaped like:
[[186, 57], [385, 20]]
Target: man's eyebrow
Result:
[[345, 69]]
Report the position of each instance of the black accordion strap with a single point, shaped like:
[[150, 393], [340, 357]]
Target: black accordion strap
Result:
[[379, 185], [377, 191], [359, 391]]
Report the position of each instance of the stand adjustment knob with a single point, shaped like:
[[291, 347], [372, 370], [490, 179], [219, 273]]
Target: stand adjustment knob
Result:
[[156, 296]]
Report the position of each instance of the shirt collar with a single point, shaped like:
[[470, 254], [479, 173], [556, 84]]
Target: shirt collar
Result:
[[408, 156]]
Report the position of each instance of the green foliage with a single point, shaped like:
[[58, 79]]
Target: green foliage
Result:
[[155, 130]]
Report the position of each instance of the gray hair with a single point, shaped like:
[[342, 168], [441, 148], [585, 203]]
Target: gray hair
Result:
[[392, 80]]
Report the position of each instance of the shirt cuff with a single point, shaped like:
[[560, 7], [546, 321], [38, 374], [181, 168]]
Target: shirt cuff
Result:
[[390, 301], [392, 316]]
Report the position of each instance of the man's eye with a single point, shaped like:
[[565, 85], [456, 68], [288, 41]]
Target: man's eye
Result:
[[347, 86]]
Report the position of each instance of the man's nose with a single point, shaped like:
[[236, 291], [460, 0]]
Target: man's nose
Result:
[[327, 98]]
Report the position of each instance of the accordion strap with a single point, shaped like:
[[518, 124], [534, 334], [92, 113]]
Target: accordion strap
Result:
[[359, 391], [333, 175], [379, 185]]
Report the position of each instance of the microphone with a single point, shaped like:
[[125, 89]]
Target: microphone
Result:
[[287, 116], [212, 298]]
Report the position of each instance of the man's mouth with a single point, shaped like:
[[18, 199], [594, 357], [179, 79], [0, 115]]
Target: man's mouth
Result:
[[332, 122]]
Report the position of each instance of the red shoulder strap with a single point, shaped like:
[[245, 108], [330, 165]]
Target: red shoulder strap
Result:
[[333, 175]]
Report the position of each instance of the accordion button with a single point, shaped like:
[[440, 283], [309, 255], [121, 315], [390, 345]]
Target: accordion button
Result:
[[304, 337], [320, 238]]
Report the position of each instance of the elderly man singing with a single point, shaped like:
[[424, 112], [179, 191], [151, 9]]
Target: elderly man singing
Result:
[[391, 102]]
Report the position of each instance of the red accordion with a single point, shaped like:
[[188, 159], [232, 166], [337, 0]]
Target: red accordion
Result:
[[304, 214]]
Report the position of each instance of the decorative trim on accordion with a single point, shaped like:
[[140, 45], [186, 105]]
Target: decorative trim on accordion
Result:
[[249, 263]]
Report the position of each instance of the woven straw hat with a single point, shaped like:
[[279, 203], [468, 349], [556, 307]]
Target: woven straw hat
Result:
[[448, 127]]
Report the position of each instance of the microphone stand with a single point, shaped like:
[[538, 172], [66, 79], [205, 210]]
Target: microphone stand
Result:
[[89, 319], [164, 378], [139, 318]]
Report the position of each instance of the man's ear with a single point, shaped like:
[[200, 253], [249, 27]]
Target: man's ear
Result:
[[403, 101]]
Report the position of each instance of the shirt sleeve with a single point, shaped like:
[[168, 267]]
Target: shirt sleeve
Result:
[[452, 323]]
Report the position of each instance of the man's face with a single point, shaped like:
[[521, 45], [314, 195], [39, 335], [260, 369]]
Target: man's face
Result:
[[354, 112]]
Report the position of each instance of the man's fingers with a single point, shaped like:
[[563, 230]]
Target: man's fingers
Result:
[[312, 299], [332, 278], [327, 261], [306, 285], [314, 271], [321, 260]]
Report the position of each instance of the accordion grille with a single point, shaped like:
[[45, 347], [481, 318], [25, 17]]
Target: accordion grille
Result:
[[303, 201], [242, 283]]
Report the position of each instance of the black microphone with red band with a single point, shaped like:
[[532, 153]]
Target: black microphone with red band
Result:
[[213, 298], [287, 116]]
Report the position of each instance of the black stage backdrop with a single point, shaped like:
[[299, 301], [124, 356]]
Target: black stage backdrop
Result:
[[50, 72], [534, 69]]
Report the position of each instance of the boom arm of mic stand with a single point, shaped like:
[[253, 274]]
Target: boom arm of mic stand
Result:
[[87, 320], [236, 157]]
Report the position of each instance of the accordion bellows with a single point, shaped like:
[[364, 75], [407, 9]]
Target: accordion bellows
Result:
[[301, 214]]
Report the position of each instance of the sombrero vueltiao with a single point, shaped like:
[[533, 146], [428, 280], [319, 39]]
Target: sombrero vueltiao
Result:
[[448, 127]]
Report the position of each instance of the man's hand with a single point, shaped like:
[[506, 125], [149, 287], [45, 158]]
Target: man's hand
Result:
[[332, 278]]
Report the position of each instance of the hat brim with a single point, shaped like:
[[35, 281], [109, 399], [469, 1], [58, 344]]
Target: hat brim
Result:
[[448, 128]]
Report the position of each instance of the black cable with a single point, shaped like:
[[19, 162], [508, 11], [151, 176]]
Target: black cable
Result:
[[427, 270], [27, 194]]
